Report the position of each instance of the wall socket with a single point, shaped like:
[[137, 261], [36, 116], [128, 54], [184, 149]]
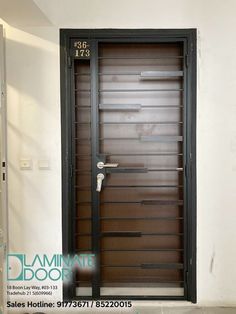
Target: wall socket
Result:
[[26, 164]]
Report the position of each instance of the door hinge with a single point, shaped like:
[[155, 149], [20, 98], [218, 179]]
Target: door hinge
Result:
[[187, 277], [3, 171], [186, 61], [69, 62], [186, 170], [2, 91]]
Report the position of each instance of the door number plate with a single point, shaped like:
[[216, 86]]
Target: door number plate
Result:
[[81, 49]]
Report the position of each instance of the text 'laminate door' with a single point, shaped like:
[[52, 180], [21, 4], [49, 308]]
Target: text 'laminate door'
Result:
[[137, 130]]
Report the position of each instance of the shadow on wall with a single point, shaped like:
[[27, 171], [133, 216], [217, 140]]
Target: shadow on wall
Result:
[[51, 34], [33, 61], [33, 103], [33, 89], [33, 82], [24, 12]]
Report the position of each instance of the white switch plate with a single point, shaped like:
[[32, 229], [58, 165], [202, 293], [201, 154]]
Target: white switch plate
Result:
[[26, 164], [44, 164]]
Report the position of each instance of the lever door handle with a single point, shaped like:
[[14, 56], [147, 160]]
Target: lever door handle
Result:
[[101, 165], [100, 178]]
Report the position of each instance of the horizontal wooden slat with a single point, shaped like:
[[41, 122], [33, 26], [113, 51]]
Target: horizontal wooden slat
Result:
[[128, 107], [160, 74]]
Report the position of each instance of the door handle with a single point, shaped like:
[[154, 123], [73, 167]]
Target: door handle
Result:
[[100, 178], [101, 165]]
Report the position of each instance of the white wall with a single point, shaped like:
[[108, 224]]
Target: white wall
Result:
[[34, 124], [33, 104]]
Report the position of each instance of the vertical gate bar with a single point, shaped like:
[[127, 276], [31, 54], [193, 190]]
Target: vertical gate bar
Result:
[[185, 162], [66, 135], [95, 151], [191, 151], [72, 167]]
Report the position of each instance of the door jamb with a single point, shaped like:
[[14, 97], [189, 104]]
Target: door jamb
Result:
[[3, 174]]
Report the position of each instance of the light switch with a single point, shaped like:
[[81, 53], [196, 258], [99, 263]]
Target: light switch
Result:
[[26, 164], [44, 164]]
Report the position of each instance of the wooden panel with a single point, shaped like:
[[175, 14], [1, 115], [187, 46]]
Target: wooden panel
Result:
[[137, 258], [82, 161], [146, 135], [159, 116], [144, 226]]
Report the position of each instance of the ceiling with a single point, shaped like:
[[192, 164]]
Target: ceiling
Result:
[[92, 13]]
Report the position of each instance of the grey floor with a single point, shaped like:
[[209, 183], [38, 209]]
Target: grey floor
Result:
[[145, 309]]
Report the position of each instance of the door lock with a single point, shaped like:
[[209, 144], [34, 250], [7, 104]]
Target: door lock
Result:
[[100, 178], [101, 165]]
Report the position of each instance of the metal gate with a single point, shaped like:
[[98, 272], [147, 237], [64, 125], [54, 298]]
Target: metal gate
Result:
[[129, 143]]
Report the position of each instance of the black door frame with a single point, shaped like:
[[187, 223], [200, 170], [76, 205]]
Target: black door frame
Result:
[[188, 38]]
